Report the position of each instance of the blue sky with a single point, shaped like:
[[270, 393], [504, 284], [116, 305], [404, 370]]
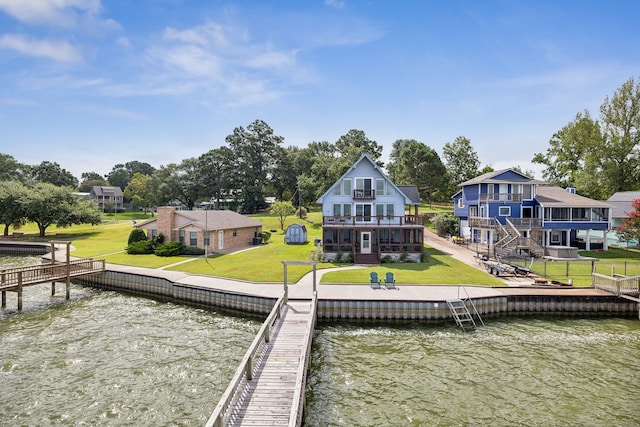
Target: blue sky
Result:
[[93, 83]]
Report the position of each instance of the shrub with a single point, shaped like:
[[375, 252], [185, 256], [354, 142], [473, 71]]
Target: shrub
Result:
[[445, 225], [386, 259], [137, 235], [265, 235], [304, 212], [424, 256], [338, 257], [403, 257], [169, 249], [159, 239], [141, 247], [192, 250]]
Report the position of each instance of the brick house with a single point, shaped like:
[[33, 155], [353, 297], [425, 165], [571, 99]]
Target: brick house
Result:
[[212, 230]]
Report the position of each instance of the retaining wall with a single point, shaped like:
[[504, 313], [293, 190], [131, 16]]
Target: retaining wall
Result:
[[363, 311]]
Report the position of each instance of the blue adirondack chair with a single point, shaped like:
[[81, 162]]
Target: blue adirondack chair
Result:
[[374, 282], [390, 281]]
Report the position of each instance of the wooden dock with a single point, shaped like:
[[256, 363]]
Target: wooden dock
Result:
[[15, 279], [627, 287], [268, 387]]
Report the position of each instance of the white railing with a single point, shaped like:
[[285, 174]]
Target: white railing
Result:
[[297, 408], [245, 370], [617, 284]]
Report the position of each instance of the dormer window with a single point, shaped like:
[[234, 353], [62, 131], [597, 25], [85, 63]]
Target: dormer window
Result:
[[364, 189]]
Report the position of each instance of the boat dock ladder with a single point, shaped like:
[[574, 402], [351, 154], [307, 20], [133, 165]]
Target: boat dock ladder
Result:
[[460, 311]]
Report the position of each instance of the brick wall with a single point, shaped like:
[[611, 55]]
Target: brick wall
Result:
[[166, 223]]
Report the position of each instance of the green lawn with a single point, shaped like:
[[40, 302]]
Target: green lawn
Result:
[[264, 263]]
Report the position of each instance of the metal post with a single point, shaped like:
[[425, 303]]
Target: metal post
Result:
[[286, 288], [19, 290], [68, 295], [314, 279]]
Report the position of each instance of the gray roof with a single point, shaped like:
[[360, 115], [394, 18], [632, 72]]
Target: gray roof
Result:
[[103, 190], [620, 203], [494, 178], [209, 220], [559, 197], [411, 191]]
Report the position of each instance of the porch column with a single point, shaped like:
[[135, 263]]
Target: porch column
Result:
[[547, 238], [605, 241], [567, 235], [588, 241]]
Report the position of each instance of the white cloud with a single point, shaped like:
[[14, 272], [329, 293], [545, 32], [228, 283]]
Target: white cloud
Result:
[[59, 51], [204, 35], [192, 60], [62, 13], [338, 4]]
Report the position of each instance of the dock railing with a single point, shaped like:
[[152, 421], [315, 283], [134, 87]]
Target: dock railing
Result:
[[297, 408], [245, 370], [622, 286], [41, 273]]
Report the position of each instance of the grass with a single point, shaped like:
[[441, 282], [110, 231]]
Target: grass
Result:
[[438, 269], [264, 263]]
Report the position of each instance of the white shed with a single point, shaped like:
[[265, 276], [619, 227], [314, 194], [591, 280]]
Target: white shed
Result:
[[295, 234]]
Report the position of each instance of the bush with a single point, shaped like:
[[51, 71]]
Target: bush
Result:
[[265, 235], [386, 259], [304, 212], [445, 225], [142, 247], [137, 235], [159, 239], [169, 249], [192, 250]]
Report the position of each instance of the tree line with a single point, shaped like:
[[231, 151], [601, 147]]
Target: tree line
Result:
[[597, 157]]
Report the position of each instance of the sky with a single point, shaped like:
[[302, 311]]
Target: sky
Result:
[[93, 83]]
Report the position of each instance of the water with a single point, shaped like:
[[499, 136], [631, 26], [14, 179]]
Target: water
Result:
[[515, 372], [108, 359], [115, 360]]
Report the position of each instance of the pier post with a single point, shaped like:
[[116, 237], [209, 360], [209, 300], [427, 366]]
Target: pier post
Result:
[[19, 290], [53, 262], [68, 295], [4, 299]]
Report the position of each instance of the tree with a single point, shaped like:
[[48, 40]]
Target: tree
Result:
[[89, 180], [254, 150], [349, 148], [420, 165], [599, 157], [138, 192], [284, 176], [630, 228], [121, 174], [282, 210], [12, 170], [214, 170], [461, 161], [48, 204], [12, 195], [394, 157], [569, 147], [53, 174]]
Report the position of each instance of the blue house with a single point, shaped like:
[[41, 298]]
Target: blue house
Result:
[[510, 212], [363, 214]]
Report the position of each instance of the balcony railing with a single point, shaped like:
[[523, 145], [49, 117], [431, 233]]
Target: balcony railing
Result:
[[364, 194], [499, 197], [519, 223], [372, 220]]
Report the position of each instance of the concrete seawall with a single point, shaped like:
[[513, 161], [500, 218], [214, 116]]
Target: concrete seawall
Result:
[[424, 304]]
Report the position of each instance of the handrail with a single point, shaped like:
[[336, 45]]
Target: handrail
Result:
[[41, 273], [297, 408], [471, 301], [245, 370]]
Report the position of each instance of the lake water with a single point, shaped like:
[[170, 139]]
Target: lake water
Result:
[[103, 358]]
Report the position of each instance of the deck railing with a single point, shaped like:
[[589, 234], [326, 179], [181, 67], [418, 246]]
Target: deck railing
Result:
[[41, 273], [353, 220], [245, 370], [617, 284], [499, 197], [297, 409]]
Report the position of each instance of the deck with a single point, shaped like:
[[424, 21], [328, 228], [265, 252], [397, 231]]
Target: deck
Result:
[[268, 387]]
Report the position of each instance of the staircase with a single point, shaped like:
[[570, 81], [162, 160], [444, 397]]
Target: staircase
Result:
[[366, 259], [512, 242], [461, 314]]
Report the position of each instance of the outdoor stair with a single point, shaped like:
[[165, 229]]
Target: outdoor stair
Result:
[[461, 314]]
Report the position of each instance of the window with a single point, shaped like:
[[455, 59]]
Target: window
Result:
[[181, 236], [363, 212], [580, 214], [346, 186], [235, 232], [380, 209], [337, 190], [337, 209], [346, 210], [390, 210], [380, 186], [527, 192], [460, 202], [193, 238], [154, 234], [363, 187], [504, 211]]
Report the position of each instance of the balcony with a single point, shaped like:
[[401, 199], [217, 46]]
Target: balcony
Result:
[[364, 194], [519, 223], [369, 220], [499, 197]]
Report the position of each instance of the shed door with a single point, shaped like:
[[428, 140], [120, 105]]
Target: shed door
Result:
[[220, 239]]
